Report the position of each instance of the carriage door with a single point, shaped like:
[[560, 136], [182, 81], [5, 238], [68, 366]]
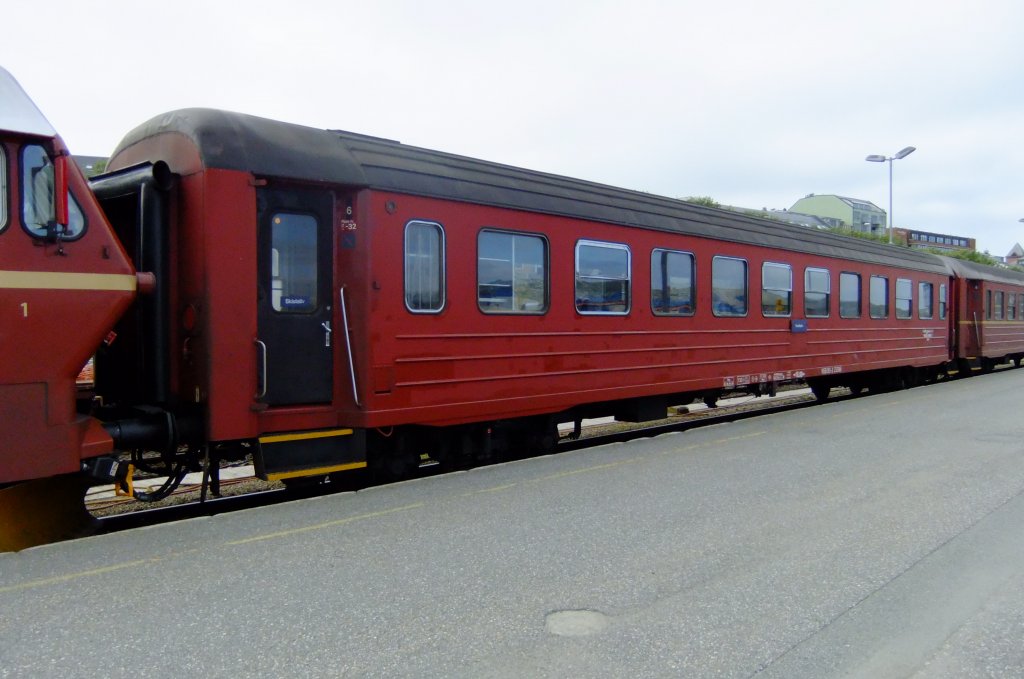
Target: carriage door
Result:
[[294, 299]]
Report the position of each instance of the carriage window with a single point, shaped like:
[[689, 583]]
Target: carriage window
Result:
[[988, 305], [849, 295], [997, 308], [293, 270], [602, 278], [879, 300], [37, 197], [924, 300], [511, 273], [728, 286], [776, 289], [904, 298], [3, 189], [672, 283], [817, 292], [1011, 306], [424, 267], [942, 300]]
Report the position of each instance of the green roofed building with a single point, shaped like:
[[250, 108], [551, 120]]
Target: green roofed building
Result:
[[852, 213]]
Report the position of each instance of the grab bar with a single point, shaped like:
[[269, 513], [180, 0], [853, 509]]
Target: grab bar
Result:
[[348, 346]]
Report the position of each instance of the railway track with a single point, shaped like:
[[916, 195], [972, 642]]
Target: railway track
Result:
[[246, 492]]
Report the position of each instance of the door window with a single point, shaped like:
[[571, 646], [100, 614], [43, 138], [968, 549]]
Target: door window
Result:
[[293, 263]]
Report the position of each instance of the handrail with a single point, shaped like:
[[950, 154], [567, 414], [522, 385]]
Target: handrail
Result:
[[262, 391], [348, 346]]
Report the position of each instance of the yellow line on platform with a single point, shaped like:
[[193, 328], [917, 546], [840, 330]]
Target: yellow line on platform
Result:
[[321, 526], [495, 489], [596, 468], [74, 576]]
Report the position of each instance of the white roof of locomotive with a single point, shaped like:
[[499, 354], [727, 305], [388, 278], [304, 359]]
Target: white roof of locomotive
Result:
[[18, 113]]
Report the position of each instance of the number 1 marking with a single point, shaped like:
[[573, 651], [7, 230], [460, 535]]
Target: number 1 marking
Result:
[[24, 309]]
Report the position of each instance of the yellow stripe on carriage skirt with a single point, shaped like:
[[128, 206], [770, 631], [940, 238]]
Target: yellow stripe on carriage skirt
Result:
[[305, 435]]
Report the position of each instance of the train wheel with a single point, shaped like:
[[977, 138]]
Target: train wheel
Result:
[[48, 510], [820, 391]]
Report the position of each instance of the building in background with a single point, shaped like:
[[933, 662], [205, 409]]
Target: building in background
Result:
[[1014, 257], [938, 241], [863, 215], [851, 213]]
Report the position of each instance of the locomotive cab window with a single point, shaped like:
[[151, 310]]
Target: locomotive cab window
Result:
[[776, 289], [817, 292], [3, 189], [602, 278], [728, 286], [849, 295], [293, 265], [37, 197], [672, 283], [879, 297], [904, 298], [511, 273], [424, 267], [924, 300]]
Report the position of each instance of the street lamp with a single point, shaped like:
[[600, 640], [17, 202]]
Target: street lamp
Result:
[[901, 154]]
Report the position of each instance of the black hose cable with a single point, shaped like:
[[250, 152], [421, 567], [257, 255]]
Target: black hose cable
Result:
[[168, 487]]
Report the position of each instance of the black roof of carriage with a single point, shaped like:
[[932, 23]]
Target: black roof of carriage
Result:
[[269, 148], [964, 268]]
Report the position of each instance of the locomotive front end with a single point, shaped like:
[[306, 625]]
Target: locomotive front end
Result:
[[64, 281]]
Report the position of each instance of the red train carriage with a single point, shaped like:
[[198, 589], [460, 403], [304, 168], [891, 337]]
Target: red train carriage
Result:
[[989, 325], [64, 280], [333, 298]]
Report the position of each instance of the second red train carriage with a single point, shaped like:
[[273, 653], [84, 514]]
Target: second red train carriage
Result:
[[332, 294]]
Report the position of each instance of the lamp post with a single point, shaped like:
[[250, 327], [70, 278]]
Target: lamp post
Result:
[[901, 154]]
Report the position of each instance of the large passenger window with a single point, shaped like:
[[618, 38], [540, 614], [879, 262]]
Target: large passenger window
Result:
[[997, 307], [1011, 306], [849, 295], [879, 297], [672, 283], [728, 286], [293, 270], [511, 273], [904, 298], [424, 267], [817, 292], [924, 300], [776, 289], [37, 197], [942, 301], [602, 278]]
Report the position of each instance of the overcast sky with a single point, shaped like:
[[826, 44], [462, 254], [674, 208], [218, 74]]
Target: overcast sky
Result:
[[752, 103]]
